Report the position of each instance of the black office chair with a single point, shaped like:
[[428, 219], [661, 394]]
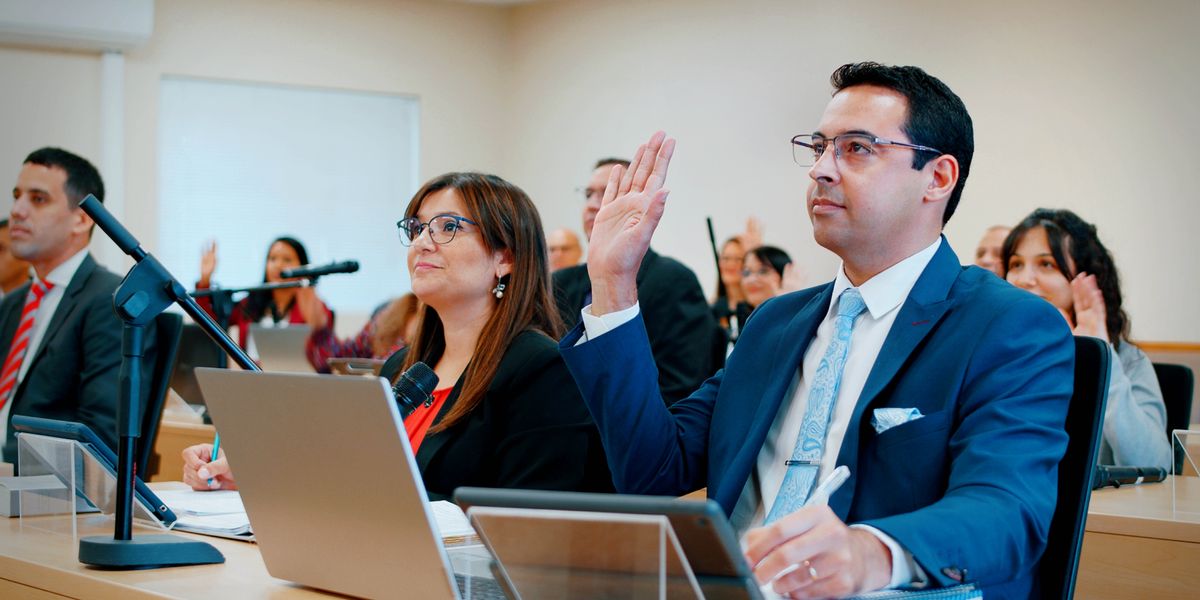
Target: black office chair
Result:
[[167, 330], [1085, 416], [1177, 383]]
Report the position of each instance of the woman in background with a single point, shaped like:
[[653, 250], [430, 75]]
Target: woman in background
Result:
[[298, 305], [763, 274], [1058, 256], [730, 308]]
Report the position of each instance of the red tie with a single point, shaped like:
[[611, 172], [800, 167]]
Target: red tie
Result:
[[20, 342]]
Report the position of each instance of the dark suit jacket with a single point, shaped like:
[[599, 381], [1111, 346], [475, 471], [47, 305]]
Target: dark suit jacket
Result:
[[75, 372], [684, 337], [969, 488], [531, 430]]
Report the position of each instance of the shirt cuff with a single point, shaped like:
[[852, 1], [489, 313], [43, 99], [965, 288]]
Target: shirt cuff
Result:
[[905, 570], [596, 326]]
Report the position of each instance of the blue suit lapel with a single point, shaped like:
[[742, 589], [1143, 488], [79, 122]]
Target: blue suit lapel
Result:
[[793, 340], [927, 303]]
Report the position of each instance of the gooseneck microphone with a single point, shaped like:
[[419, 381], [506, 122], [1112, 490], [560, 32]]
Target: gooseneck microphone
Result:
[[311, 272], [1107, 475], [415, 388]]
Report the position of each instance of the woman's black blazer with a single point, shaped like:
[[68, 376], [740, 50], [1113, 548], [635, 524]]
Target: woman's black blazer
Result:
[[532, 429]]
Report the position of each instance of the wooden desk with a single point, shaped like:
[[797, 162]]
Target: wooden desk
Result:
[[38, 564], [172, 439], [1138, 546]]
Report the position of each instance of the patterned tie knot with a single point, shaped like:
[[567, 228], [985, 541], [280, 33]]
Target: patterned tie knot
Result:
[[40, 288], [850, 304]]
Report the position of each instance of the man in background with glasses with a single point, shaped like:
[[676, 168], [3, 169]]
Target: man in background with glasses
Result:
[[943, 390], [684, 337]]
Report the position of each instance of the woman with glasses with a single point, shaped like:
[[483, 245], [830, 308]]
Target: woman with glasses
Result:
[[506, 412], [285, 306], [1058, 256]]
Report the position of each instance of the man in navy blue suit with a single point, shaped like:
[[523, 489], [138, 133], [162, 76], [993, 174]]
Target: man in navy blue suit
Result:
[[941, 388]]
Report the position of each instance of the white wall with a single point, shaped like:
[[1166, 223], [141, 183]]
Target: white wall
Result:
[[49, 99], [1083, 105], [454, 57]]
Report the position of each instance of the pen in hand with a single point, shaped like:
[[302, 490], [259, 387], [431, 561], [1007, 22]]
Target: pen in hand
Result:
[[216, 449], [819, 497]]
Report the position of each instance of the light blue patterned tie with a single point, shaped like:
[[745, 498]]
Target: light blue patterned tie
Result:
[[810, 444]]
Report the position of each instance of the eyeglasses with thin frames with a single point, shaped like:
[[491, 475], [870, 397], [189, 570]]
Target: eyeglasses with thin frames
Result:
[[442, 228], [849, 149], [587, 193]]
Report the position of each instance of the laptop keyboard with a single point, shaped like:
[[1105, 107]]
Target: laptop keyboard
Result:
[[479, 588]]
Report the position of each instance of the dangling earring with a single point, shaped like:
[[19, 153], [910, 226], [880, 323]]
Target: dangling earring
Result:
[[499, 289]]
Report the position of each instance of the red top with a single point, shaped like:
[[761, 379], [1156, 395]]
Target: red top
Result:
[[418, 422]]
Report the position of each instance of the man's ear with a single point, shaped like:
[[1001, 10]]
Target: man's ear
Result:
[[944, 171], [83, 223]]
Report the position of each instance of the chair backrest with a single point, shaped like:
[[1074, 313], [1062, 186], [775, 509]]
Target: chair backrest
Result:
[[1085, 416], [167, 329], [1177, 383]]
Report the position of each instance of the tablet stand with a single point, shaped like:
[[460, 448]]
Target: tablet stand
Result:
[[1184, 505], [70, 480], [147, 290], [576, 554]]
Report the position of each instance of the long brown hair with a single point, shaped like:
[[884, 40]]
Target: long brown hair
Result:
[[391, 324], [507, 220]]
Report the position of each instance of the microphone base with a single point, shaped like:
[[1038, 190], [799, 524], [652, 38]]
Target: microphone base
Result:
[[146, 552]]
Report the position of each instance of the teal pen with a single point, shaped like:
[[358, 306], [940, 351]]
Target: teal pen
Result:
[[216, 448]]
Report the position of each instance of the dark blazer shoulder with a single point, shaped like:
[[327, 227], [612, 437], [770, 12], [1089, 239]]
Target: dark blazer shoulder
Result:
[[530, 354], [570, 276]]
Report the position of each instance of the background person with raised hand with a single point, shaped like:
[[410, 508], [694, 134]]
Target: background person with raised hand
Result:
[[942, 389], [687, 343], [1058, 256]]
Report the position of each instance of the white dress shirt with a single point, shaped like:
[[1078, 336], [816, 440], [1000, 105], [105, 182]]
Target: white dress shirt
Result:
[[61, 278], [883, 294]]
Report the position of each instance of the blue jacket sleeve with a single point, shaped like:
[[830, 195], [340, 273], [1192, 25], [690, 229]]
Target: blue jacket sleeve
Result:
[[651, 449]]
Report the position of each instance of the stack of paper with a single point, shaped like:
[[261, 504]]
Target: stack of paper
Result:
[[452, 524], [219, 513]]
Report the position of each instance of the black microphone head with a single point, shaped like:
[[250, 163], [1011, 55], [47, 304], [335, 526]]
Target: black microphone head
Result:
[[415, 387], [313, 272]]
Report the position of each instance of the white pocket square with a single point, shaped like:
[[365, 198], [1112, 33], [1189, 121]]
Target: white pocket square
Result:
[[887, 418]]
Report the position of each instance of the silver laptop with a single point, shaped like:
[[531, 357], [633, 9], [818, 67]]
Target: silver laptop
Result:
[[281, 349], [332, 488]]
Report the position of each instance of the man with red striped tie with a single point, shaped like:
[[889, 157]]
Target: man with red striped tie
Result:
[[59, 336]]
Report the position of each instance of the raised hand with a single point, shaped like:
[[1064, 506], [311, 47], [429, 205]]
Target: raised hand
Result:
[[208, 263], [1091, 314], [753, 236], [630, 210]]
